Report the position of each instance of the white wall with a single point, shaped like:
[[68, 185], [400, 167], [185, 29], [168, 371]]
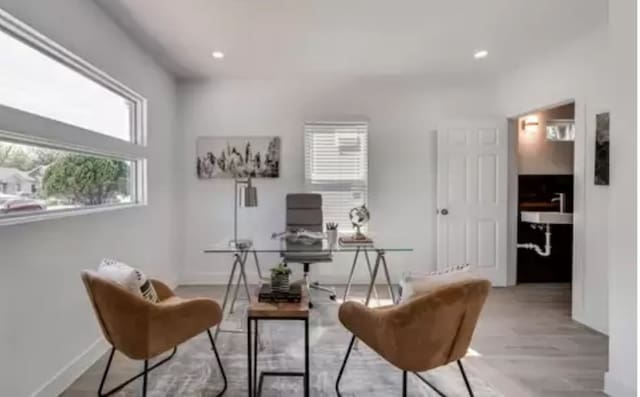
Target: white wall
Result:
[[403, 116], [621, 380], [577, 72], [47, 327]]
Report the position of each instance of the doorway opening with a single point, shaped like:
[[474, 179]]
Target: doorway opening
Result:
[[545, 166]]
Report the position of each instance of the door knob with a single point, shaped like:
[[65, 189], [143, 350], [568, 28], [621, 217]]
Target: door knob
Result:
[[444, 211]]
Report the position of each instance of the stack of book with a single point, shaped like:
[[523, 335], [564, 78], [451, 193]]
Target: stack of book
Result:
[[294, 295], [351, 241]]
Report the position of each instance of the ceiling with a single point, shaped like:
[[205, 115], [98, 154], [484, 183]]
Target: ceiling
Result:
[[277, 38]]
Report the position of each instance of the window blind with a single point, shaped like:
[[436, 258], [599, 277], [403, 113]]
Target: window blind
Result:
[[336, 166]]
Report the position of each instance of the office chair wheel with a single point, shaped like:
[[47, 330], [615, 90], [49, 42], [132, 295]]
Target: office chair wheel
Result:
[[310, 305], [332, 297]]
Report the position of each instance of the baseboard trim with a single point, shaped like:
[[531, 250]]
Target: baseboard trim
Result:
[[615, 387], [72, 371], [598, 328]]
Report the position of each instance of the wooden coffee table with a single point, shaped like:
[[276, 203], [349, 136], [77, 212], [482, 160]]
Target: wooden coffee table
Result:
[[275, 311]]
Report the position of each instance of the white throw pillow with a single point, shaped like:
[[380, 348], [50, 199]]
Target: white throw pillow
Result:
[[131, 278], [413, 285]]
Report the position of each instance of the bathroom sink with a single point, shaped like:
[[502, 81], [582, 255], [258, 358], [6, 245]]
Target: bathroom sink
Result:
[[547, 218]]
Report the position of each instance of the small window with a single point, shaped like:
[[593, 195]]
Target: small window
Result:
[[336, 165], [61, 180]]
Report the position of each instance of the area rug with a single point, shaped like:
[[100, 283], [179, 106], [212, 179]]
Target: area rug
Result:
[[194, 372]]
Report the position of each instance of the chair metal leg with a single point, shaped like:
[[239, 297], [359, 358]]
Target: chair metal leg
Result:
[[426, 382], [344, 364], [144, 378], [143, 374], [106, 370], [464, 376], [404, 383], [306, 282], [215, 351], [309, 285], [316, 285], [404, 375]]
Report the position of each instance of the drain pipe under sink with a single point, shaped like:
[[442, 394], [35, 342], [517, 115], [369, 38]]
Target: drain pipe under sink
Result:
[[547, 246]]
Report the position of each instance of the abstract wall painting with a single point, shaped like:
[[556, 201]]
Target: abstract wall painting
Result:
[[238, 157], [602, 149]]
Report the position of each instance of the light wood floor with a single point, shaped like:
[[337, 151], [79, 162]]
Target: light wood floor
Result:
[[526, 339], [525, 345]]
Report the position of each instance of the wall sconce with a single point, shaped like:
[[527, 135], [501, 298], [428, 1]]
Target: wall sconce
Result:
[[530, 124]]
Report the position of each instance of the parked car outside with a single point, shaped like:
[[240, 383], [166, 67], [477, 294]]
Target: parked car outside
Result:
[[11, 204]]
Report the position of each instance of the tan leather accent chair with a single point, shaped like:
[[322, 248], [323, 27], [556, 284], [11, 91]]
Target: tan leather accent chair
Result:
[[142, 330], [428, 331]]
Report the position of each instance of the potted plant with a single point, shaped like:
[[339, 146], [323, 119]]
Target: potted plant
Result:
[[280, 278]]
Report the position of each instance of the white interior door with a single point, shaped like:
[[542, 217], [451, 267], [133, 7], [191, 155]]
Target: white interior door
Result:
[[472, 197]]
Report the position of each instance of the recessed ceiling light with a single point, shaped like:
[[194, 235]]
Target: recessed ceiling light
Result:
[[217, 54], [481, 54]]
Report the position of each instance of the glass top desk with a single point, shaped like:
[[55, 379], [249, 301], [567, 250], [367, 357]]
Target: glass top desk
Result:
[[319, 250]]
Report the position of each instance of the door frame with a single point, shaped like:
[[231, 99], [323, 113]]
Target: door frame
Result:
[[579, 192]]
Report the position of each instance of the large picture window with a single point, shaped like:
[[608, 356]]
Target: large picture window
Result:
[[336, 165], [72, 139]]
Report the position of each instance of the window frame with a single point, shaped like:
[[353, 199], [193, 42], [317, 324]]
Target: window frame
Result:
[[34, 39], [21, 127], [337, 185], [138, 172]]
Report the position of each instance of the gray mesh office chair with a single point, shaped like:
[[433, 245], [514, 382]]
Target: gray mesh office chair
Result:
[[304, 211]]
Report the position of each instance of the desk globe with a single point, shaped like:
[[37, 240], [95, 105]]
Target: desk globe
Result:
[[359, 217]]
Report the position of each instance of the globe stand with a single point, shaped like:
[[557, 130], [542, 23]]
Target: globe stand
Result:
[[358, 235]]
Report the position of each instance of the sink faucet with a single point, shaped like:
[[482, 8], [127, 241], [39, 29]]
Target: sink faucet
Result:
[[561, 199]]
